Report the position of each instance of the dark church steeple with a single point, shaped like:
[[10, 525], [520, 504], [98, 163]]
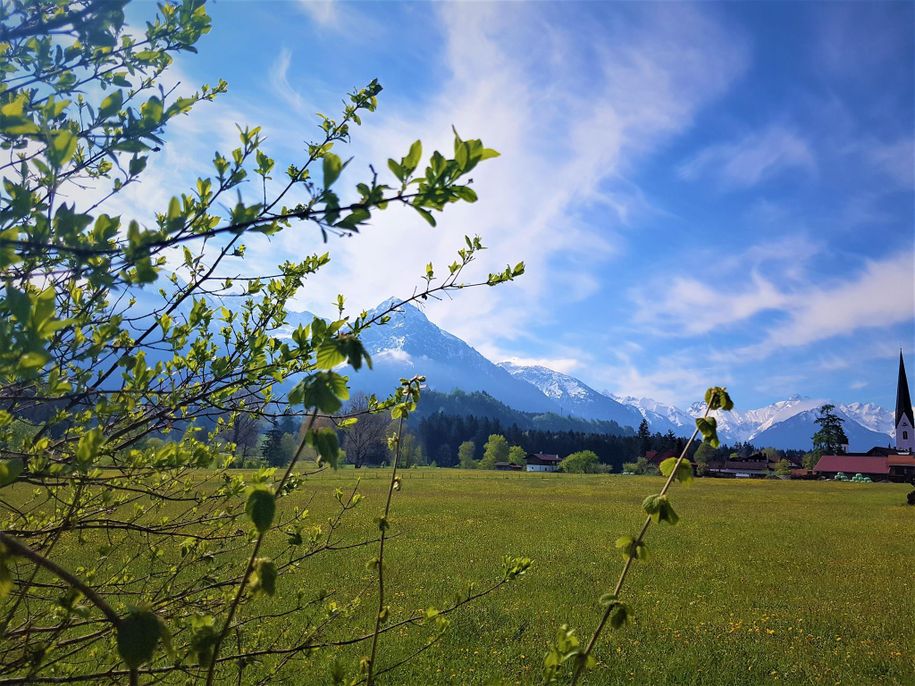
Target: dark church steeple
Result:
[[905, 433]]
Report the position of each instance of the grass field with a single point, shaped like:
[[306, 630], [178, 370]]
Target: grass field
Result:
[[761, 582]]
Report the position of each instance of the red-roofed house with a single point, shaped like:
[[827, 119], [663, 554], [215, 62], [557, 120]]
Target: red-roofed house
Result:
[[870, 465], [894, 467]]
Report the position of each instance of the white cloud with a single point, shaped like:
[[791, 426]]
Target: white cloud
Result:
[[882, 294], [279, 81], [727, 291], [517, 81], [323, 12], [566, 365], [754, 158]]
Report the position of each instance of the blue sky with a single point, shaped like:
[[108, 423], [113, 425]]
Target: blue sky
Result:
[[703, 194]]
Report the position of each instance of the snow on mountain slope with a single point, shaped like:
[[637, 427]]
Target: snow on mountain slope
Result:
[[410, 344], [872, 416], [573, 396], [661, 418], [797, 432]]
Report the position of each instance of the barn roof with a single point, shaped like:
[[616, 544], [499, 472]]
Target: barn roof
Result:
[[543, 458], [853, 464]]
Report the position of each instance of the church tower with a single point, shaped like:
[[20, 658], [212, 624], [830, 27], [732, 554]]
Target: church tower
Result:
[[905, 432]]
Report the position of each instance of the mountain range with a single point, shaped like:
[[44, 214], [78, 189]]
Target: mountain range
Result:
[[411, 344]]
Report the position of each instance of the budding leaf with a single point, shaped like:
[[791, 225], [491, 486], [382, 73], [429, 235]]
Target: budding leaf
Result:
[[717, 398]]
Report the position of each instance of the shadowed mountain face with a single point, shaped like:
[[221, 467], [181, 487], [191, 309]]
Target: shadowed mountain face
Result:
[[797, 432]]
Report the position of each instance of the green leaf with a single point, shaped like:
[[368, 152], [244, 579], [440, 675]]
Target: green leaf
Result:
[[708, 427], [33, 360], [136, 165], [332, 168], [324, 441], [10, 470], [138, 635], [425, 214], [111, 104], [410, 162], [620, 615], [203, 637], [6, 578], [261, 507], [684, 470], [325, 391], [396, 169], [61, 146], [263, 576], [88, 447]]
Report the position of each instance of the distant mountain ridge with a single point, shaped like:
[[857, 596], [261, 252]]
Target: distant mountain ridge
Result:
[[411, 344], [573, 396]]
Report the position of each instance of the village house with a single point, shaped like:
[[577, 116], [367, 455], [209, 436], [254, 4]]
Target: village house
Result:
[[881, 464], [739, 469], [541, 462]]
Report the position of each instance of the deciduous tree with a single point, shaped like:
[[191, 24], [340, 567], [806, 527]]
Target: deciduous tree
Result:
[[115, 328]]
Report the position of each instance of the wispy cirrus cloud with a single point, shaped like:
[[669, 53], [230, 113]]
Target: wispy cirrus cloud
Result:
[[751, 159], [805, 310], [879, 295], [515, 78]]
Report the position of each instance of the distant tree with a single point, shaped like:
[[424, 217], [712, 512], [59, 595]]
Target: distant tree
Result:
[[288, 446], [465, 455], [495, 450], [582, 462], [411, 451], [272, 449], [640, 466], [287, 424], [644, 437], [517, 455], [773, 455], [831, 438], [443, 455], [365, 441], [810, 459], [704, 453], [783, 467]]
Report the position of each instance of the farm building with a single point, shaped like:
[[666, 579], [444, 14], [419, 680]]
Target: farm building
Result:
[[739, 469], [541, 462], [883, 464], [508, 467], [893, 467]]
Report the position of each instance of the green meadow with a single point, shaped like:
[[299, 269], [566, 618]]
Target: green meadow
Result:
[[760, 582]]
